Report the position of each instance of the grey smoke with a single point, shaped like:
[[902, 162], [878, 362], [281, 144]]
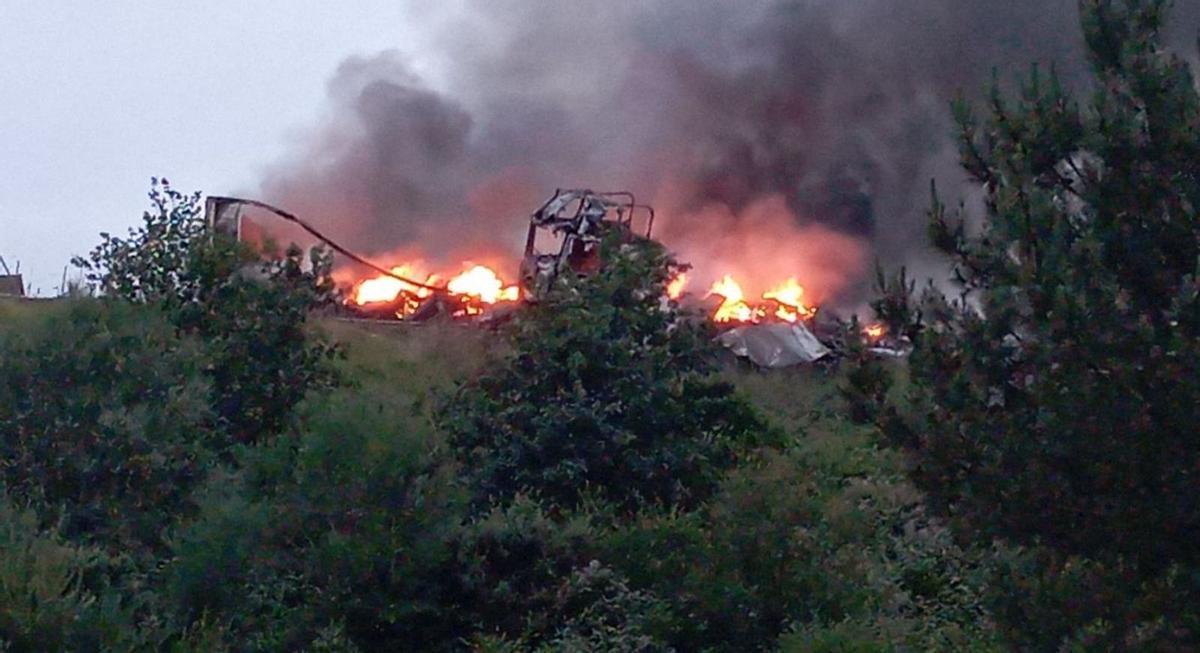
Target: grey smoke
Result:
[[838, 107]]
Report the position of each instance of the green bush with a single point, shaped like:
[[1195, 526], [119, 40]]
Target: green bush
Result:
[[104, 417], [41, 592], [801, 541], [515, 558], [599, 612], [608, 393], [249, 309], [53, 594], [537, 585], [352, 525]]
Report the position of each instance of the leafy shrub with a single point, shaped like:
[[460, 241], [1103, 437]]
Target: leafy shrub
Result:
[[607, 392], [103, 416], [515, 558], [377, 498], [52, 592], [804, 541], [41, 593], [536, 586], [600, 612], [250, 312], [352, 526]]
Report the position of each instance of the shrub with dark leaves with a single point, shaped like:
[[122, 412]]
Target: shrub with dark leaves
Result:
[[607, 393], [104, 418], [248, 308]]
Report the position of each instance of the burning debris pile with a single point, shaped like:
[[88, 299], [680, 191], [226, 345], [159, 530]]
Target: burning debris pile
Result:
[[784, 302], [778, 329], [779, 139], [564, 235], [781, 328], [466, 295]]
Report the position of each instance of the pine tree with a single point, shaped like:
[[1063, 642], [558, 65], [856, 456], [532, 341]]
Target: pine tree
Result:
[[1054, 402]]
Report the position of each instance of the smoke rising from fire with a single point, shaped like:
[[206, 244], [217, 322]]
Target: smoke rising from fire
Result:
[[776, 138]]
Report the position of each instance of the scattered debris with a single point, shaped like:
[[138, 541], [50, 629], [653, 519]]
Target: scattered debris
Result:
[[224, 215], [781, 344], [888, 352], [780, 330], [824, 338]]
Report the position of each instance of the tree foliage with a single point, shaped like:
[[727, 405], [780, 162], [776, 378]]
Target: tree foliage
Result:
[[608, 392], [1054, 400], [352, 523], [248, 308], [103, 419], [115, 410]]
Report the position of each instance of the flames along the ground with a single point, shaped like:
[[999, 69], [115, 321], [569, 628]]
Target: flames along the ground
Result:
[[478, 287], [474, 289], [784, 302]]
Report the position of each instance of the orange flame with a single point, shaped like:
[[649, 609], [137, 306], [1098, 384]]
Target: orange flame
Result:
[[478, 286], [734, 307], [481, 282], [474, 288], [675, 286], [874, 332], [387, 289], [790, 297], [787, 300]]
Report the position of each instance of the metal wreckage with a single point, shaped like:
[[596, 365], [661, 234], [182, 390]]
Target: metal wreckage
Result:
[[575, 222], [564, 237]]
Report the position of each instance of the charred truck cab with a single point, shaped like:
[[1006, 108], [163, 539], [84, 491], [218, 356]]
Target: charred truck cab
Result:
[[566, 232]]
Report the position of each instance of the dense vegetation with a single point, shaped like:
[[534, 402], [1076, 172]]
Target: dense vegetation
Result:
[[1054, 403], [195, 459], [589, 480]]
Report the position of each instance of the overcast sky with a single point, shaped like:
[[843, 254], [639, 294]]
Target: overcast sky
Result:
[[96, 97]]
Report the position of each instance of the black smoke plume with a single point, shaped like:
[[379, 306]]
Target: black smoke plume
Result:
[[776, 138]]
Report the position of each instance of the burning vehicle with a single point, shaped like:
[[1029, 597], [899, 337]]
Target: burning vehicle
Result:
[[573, 223]]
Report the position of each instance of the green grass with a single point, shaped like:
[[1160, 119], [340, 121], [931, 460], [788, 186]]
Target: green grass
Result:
[[415, 365], [413, 357], [794, 397], [415, 360], [16, 314]]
